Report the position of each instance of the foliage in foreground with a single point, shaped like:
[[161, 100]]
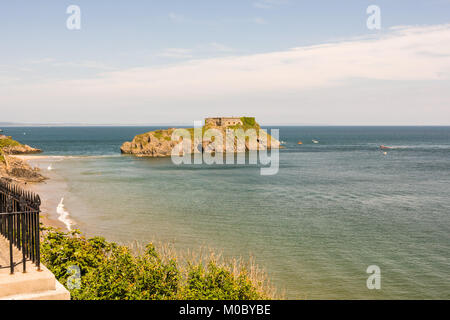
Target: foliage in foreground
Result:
[[111, 271]]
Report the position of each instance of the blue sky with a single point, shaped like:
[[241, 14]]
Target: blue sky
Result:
[[170, 61]]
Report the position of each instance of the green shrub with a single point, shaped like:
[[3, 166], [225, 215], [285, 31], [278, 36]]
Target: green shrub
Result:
[[218, 282], [158, 134], [113, 272], [124, 276], [61, 250], [248, 121], [8, 142]]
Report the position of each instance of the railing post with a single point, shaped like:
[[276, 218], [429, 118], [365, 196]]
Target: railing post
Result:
[[19, 223], [38, 249], [24, 257], [32, 236], [22, 230], [11, 256]]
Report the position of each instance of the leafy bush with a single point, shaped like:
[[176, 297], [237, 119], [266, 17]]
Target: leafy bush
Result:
[[248, 121], [8, 142], [114, 272], [129, 277], [217, 282]]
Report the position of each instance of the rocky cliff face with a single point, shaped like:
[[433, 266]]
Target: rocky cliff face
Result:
[[151, 144], [10, 146], [15, 168], [159, 143]]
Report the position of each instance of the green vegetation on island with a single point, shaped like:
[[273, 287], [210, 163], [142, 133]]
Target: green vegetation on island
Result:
[[247, 124], [7, 142], [10, 146], [110, 271]]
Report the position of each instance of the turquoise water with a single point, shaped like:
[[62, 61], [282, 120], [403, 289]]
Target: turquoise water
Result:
[[333, 209]]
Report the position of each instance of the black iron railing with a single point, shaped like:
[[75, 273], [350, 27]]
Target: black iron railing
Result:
[[19, 223]]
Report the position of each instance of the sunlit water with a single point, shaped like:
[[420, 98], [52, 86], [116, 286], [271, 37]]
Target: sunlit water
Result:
[[333, 209]]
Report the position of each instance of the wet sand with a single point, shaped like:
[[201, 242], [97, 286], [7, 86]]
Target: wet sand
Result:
[[48, 208]]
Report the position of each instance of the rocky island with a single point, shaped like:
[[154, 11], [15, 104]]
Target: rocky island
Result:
[[13, 168], [159, 143]]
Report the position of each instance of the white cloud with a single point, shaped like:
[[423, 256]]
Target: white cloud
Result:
[[395, 56], [402, 55]]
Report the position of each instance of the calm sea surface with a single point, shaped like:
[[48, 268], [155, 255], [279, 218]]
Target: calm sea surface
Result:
[[333, 209]]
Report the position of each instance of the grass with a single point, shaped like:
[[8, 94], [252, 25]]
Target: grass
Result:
[[8, 142], [249, 121], [5, 143], [158, 134], [247, 124]]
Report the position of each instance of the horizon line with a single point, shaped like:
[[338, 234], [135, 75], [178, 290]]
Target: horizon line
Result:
[[26, 124]]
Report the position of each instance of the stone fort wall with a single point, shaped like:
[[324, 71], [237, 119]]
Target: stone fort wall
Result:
[[223, 121]]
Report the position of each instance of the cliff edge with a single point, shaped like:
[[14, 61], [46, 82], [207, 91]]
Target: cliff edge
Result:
[[14, 168]]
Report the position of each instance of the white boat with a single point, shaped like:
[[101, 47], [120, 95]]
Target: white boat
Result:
[[315, 141]]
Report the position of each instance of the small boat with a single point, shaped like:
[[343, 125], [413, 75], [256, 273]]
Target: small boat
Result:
[[383, 147], [315, 141], [1, 130], [300, 142]]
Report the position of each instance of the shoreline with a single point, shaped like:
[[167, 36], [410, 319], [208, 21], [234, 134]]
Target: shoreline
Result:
[[45, 216], [49, 215]]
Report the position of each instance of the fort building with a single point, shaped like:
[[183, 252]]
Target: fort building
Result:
[[223, 121]]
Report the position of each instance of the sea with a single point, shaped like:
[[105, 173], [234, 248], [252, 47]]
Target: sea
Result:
[[335, 210]]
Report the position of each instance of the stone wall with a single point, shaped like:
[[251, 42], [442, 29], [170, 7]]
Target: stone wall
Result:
[[223, 121]]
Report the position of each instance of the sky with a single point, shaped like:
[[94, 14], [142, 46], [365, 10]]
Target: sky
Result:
[[285, 62]]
